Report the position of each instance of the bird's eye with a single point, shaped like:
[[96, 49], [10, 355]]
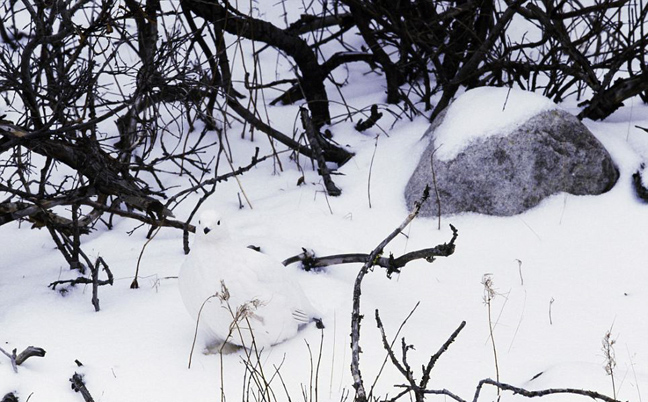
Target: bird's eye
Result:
[[218, 223], [206, 230]]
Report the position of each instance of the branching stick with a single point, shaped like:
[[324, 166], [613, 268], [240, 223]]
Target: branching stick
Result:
[[356, 317]]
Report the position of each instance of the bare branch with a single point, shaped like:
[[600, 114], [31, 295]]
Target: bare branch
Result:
[[78, 385], [314, 137], [356, 317], [391, 264], [544, 392], [17, 360]]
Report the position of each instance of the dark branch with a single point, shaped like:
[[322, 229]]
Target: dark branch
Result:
[[356, 317], [315, 139], [544, 392], [17, 360], [607, 101], [392, 264], [78, 385]]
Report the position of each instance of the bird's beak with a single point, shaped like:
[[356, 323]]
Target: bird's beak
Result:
[[206, 230]]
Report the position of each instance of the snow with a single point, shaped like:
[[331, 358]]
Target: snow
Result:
[[483, 112], [565, 273]]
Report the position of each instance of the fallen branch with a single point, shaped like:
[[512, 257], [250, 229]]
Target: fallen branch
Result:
[[79, 386], [507, 387], [17, 360], [391, 264], [533, 394]]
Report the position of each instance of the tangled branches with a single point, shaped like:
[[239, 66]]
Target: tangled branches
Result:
[[105, 101]]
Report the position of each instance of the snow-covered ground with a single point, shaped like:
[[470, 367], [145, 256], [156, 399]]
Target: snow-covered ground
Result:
[[565, 273]]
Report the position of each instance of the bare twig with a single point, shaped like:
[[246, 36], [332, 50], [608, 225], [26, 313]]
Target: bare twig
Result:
[[373, 155], [94, 280], [551, 302], [363, 125], [314, 139], [356, 317], [391, 345], [78, 385], [426, 372], [437, 196], [489, 295], [533, 394], [405, 370], [18, 359], [195, 337], [135, 283]]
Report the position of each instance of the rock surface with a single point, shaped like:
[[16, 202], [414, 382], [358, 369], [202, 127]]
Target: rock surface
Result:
[[508, 173]]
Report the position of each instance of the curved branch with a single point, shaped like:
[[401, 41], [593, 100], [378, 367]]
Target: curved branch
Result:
[[313, 75], [605, 102], [532, 394], [391, 264]]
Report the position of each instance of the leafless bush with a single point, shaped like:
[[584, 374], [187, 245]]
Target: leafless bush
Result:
[[562, 48], [107, 99]]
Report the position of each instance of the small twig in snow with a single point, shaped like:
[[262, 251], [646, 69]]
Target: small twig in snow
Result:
[[371, 169], [79, 386], [135, 283], [363, 125], [489, 295], [436, 189], [550, 304]]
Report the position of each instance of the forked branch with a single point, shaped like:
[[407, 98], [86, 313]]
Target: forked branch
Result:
[[356, 317], [18, 359], [391, 264], [404, 368]]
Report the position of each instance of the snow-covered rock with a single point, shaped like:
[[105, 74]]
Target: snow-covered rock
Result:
[[519, 149]]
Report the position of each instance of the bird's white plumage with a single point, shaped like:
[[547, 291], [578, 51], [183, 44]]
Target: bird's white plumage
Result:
[[244, 294]]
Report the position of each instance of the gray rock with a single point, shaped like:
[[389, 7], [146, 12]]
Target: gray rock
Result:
[[508, 174]]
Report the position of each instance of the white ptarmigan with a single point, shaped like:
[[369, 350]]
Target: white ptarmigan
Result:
[[240, 294]]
